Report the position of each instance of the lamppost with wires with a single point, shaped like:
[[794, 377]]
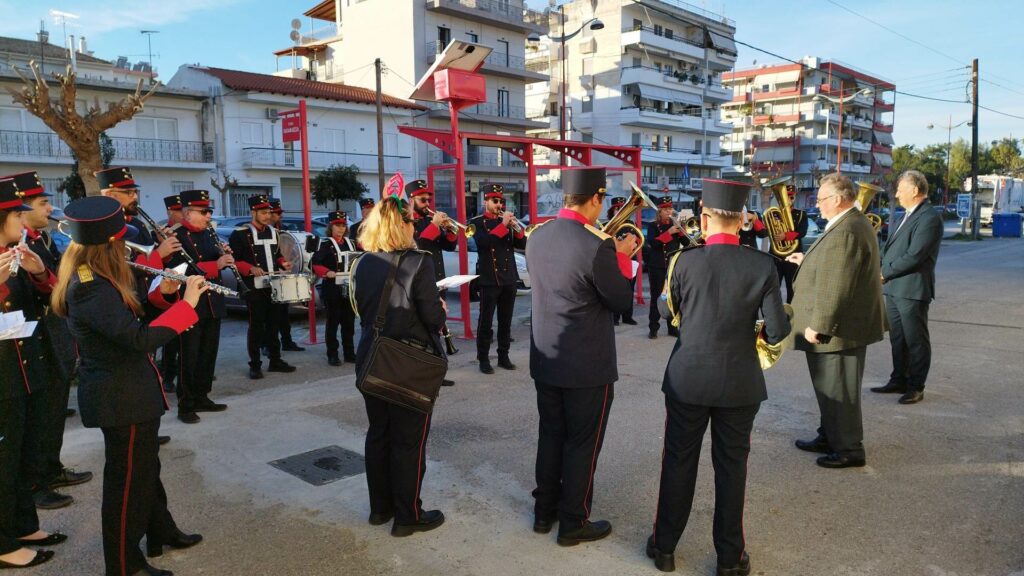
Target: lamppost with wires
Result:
[[949, 134], [838, 102]]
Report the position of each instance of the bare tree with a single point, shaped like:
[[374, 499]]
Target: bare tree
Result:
[[81, 134], [225, 189]]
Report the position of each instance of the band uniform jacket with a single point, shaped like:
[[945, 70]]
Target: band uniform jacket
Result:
[[353, 233], [660, 244], [21, 361], [60, 346], [204, 247], [800, 223], [248, 254], [325, 260], [434, 240], [495, 245], [909, 255], [838, 290], [578, 286], [414, 310], [118, 382], [718, 290]]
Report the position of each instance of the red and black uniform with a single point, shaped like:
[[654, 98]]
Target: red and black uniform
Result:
[[496, 265], [428, 236], [757, 230], [170, 360], [617, 204], [787, 270], [660, 243], [331, 257]]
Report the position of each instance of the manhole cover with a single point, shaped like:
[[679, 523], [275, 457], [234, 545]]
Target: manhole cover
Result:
[[323, 465]]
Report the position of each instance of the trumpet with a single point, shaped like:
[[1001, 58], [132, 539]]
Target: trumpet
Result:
[[452, 227], [180, 278]]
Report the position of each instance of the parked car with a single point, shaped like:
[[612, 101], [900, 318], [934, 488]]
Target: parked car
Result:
[[451, 267]]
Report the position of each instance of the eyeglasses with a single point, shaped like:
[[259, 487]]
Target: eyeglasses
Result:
[[127, 191], [203, 211], [820, 198]]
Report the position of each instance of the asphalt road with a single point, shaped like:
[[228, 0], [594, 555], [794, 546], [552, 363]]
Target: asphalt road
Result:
[[942, 495]]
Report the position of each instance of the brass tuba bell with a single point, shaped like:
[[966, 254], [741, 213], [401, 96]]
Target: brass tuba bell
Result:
[[620, 223], [779, 219], [865, 194]]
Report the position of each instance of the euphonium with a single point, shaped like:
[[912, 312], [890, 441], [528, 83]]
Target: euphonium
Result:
[[620, 222], [865, 194], [779, 220]]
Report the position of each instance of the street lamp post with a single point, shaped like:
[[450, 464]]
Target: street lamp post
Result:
[[838, 102]]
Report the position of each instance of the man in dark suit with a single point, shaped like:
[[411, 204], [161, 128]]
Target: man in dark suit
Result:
[[908, 282], [716, 291], [580, 280], [837, 312], [664, 236], [497, 236], [786, 269]]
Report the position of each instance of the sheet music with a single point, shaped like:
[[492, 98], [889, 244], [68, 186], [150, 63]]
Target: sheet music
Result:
[[13, 325], [455, 281]]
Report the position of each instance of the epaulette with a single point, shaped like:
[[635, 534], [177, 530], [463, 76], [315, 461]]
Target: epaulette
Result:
[[596, 232], [84, 273]]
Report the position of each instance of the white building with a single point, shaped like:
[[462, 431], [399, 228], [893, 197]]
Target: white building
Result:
[[407, 35], [650, 77], [786, 120]]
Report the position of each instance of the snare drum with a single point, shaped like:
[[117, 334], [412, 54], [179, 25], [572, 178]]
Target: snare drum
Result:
[[289, 288]]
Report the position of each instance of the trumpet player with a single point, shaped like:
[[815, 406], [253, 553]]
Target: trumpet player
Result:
[[786, 269], [498, 235], [198, 356], [617, 203], [434, 233], [664, 236]]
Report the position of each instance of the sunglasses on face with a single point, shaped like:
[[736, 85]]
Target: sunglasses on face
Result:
[[203, 211]]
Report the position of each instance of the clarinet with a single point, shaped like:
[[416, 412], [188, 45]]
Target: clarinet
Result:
[[158, 232], [242, 288]]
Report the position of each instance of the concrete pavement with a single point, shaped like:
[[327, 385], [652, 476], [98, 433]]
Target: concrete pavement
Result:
[[942, 495]]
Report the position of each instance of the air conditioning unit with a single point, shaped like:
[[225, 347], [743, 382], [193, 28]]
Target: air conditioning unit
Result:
[[696, 183], [271, 113]]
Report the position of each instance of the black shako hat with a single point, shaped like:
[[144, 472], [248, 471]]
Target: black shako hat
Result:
[[725, 194], [584, 181], [11, 198], [366, 203], [259, 202], [493, 191], [119, 178], [338, 217], [195, 199], [417, 187], [173, 202], [29, 184], [96, 220]]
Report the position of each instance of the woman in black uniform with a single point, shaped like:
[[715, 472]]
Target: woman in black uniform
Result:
[[329, 263], [119, 388], [397, 437], [21, 290]]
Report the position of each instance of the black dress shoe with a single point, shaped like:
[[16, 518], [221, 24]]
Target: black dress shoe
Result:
[[189, 417], [255, 373], [207, 405], [819, 444], [543, 525], [506, 363], [180, 540], [378, 518], [447, 382], [485, 367], [662, 561], [51, 500], [280, 366], [589, 532], [68, 477], [334, 361], [890, 388], [912, 397], [741, 569], [161, 440], [292, 347], [429, 520], [41, 557], [840, 461], [629, 321], [653, 334], [148, 570], [51, 540]]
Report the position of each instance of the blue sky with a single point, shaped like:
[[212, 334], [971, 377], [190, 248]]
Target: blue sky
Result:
[[242, 34]]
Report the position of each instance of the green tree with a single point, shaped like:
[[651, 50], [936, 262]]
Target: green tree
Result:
[[959, 164], [73, 185], [1006, 156], [337, 183]]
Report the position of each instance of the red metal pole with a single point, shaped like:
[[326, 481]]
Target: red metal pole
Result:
[[460, 208], [306, 208], [839, 148]]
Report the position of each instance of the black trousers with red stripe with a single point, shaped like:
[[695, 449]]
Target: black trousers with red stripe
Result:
[[198, 358], [502, 299], [730, 444], [396, 458], [134, 500], [263, 326], [572, 426], [17, 509]]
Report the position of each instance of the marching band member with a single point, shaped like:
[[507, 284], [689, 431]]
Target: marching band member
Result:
[[199, 345], [22, 375], [169, 357], [257, 253], [284, 321], [664, 236], [119, 184], [430, 235], [616, 204], [714, 375], [330, 262], [752, 230], [786, 269], [365, 207], [496, 242], [580, 279]]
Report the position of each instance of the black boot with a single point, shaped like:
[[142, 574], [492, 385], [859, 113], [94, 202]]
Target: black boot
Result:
[[429, 519], [589, 532], [333, 359], [662, 561], [485, 366], [505, 362]]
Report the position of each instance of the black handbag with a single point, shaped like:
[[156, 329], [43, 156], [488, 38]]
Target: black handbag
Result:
[[402, 372]]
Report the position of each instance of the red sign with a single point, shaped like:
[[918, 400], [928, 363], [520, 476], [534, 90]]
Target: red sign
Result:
[[291, 126]]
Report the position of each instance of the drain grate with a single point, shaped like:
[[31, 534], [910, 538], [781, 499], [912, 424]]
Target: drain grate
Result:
[[323, 465]]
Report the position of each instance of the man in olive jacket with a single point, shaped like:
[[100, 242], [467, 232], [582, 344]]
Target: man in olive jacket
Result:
[[837, 312], [908, 282]]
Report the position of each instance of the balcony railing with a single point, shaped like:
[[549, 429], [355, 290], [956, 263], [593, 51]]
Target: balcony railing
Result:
[[681, 77], [508, 10], [319, 159], [13, 143], [493, 59], [653, 148], [487, 109], [663, 34], [478, 158]]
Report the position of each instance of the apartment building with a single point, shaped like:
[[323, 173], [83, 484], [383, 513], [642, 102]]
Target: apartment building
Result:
[[649, 75], [407, 35], [808, 119]]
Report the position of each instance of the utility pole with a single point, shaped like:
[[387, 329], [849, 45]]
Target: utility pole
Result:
[[380, 131], [976, 212]]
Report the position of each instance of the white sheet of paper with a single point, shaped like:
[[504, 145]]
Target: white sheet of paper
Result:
[[13, 325], [455, 281], [636, 266]]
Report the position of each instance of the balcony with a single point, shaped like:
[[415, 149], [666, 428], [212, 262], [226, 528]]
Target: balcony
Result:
[[652, 40], [491, 113], [883, 106], [277, 158], [508, 14], [481, 161], [48, 148], [690, 83], [496, 63], [649, 117], [669, 155], [883, 127]]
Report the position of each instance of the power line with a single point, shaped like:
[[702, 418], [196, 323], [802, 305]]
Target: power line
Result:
[[1001, 113], [905, 37], [935, 73], [1001, 86]]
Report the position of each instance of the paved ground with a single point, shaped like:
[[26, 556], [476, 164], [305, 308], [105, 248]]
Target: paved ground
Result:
[[943, 493]]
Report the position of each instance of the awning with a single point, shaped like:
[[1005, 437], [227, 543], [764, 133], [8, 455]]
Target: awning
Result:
[[721, 43], [774, 154], [663, 94], [304, 51], [787, 77], [883, 138], [883, 159]]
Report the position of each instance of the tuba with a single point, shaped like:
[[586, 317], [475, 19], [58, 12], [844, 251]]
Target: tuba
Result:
[[865, 194], [779, 219], [620, 222]]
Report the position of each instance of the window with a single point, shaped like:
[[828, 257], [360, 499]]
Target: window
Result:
[[474, 38], [635, 139], [636, 62], [766, 88], [252, 133], [156, 128], [179, 186], [503, 52], [668, 33], [697, 145], [655, 138], [334, 140], [503, 103], [588, 137], [10, 119], [444, 36], [588, 103], [668, 143], [707, 148], [657, 29], [637, 24]]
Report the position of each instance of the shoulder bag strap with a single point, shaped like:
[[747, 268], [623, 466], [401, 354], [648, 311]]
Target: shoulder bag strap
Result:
[[385, 296]]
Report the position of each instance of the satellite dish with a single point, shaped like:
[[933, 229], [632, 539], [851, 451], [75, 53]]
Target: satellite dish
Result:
[[295, 36], [296, 24]]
